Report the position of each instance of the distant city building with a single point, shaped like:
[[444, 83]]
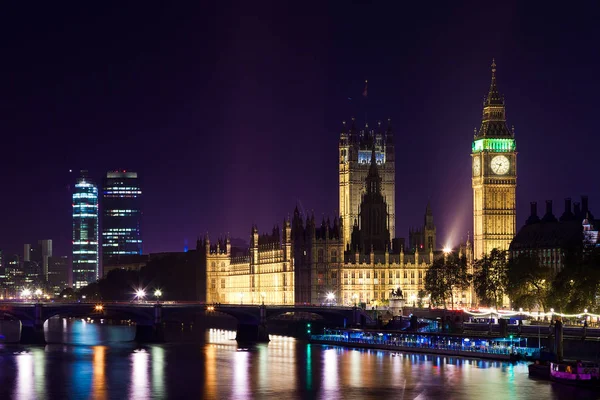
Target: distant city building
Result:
[[58, 273], [121, 218], [494, 177], [550, 239], [85, 232], [39, 255], [13, 280]]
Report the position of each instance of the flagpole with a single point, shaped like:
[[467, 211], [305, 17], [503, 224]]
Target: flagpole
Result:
[[365, 94]]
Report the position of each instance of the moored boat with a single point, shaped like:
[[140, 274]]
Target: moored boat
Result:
[[578, 374], [539, 370]]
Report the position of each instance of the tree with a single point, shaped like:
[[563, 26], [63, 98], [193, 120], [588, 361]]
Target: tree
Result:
[[577, 286], [528, 281], [420, 296], [490, 278], [446, 275], [68, 294]]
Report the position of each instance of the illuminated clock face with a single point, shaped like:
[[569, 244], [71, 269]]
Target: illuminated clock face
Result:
[[500, 165], [476, 166]]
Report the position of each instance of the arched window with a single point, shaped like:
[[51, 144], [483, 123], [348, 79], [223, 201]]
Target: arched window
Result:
[[222, 267], [213, 266], [334, 256], [320, 256]]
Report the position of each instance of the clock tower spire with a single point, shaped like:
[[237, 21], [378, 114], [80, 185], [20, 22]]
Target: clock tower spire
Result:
[[494, 177]]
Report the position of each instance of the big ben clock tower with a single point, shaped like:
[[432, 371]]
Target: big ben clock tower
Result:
[[494, 172]]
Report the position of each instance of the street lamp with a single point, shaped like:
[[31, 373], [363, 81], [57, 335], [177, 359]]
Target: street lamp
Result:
[[330, 298], [354, 296], [241, 297], [26, 293], [157, 294], [140, 294], [447, 250], [38, 293], [262, 297]]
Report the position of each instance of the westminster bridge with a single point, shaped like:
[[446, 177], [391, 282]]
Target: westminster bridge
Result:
[[149, 317]]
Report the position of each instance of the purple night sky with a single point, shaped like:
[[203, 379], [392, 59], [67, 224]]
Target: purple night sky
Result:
[[231, 113]]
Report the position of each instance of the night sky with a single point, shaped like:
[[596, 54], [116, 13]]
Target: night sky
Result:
[[231, 112]]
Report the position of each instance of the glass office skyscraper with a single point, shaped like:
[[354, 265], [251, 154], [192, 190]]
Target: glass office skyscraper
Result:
[[85, 232], [121, 217]]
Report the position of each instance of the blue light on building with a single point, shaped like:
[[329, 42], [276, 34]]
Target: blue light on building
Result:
[[85, 232], [364, 157]]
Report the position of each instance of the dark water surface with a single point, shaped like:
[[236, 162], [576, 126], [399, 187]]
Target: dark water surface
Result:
[[100, 362]]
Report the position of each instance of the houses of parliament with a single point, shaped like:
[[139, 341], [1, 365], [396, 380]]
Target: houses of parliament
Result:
[[354, 257]]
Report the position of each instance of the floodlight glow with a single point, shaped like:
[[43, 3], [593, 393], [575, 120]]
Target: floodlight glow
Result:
[[140, 293]]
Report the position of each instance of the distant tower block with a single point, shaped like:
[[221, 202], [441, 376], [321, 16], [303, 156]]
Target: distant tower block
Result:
[[354, 161]]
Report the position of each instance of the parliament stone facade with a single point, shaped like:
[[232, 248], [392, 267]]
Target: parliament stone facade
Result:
[[355, 258]]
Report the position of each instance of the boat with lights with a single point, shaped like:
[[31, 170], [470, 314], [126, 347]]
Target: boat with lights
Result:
[[577, 374]]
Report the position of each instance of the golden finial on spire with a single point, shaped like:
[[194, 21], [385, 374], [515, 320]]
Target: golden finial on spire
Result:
[[493, 66]]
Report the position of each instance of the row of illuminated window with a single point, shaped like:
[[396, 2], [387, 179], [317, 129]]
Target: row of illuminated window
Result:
[[84, 184], [85, 261], [367, 274], [122, 252], [85, 251], [85, 215], [111, 230], [86, 195], [121, 188], [118, 210], [84, 242], [119, 214], [109, 242], [85, 205], [122, 191]]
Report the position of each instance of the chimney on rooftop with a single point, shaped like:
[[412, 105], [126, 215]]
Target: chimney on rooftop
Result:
[[577, 209], [549, 217], [533, 218], [584, 205]]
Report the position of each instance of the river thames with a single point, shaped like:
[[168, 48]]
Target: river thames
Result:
[[101, 362]]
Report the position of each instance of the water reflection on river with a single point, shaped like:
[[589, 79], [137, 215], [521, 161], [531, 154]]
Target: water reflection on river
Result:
[[100, 362]]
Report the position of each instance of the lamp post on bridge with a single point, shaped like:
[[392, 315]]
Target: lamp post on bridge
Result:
[[262, 297], [157, 294], [140, 294], [354, 297], [330, 298]]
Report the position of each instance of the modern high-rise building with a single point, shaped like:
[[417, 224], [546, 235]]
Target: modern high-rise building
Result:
[[85, 232], [355, 147], [121, 217], [39, 255]]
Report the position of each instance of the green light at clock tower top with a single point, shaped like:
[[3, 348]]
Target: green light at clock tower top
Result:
[[494, 145]]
